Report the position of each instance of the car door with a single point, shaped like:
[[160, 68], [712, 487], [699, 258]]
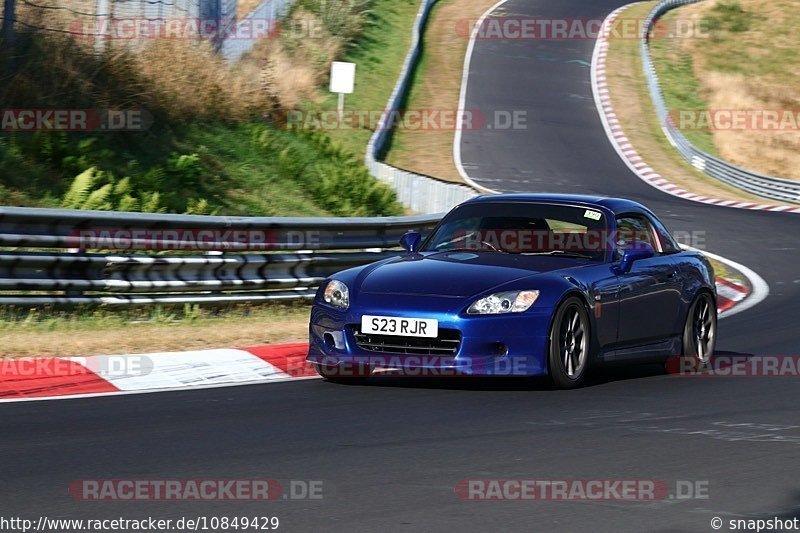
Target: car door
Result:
[[650, 293], [604, 292]]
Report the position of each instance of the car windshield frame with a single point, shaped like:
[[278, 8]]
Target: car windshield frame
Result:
[[503, 208]]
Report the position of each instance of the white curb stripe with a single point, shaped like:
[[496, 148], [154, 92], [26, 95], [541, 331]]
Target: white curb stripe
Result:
[[759, 289], [462, 102], [730, 293], [184, 369]]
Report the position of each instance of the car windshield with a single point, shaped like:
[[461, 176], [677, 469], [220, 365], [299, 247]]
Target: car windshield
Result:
[[522, 228]]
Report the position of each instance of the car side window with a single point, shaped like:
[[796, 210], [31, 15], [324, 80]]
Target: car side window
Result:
[[633, 229]]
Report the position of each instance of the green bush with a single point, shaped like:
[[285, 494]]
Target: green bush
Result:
[[97, 190], [336, 179], [343, 18]]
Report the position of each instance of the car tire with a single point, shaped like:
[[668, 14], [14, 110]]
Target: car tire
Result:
[[570, 344], [346, 373], [700, 331]]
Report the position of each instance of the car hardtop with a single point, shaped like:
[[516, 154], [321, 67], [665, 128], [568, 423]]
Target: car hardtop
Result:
[[616, 206]]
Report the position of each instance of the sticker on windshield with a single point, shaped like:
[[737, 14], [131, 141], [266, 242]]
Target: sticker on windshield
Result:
[[594, 215]]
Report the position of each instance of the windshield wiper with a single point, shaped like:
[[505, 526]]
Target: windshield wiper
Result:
[[463, 249]]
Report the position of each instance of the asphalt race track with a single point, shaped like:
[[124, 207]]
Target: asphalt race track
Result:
[[391, 452]]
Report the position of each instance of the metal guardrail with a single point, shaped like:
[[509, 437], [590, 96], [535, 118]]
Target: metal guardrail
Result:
[[95, 257], [752, 182]]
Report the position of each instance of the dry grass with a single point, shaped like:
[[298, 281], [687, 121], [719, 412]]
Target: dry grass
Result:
[[174, 79], [294, 66], [436, 87], [754, 69], [195, 83], [291, 81], [180, 79], [183, 78], [85, 337], [637, 117]]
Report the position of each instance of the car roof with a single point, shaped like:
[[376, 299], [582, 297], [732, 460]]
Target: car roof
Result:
[[615, 205]]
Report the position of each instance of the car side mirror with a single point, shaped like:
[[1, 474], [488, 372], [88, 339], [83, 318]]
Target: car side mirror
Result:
[[634, 252], [410, 241]]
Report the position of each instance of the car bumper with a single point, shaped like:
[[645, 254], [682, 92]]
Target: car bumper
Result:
[[498, 345]]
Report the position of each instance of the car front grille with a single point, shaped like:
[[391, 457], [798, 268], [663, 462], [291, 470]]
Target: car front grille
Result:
[[447, 343]]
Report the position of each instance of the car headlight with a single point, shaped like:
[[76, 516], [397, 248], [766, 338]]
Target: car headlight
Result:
[[504, 302], [337, 295]]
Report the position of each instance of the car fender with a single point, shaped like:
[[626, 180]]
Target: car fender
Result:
[[554, 289], [697, 274]]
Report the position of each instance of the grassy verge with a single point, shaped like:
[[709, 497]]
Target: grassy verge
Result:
[[742, 57], [211, 153], [379, 56], [631, 101], [99, 332], [206, 147], [436, 86], [722, 271], [207, 168], [681, 89]]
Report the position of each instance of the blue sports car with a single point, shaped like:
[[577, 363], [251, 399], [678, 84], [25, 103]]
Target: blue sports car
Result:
[[523, 284]]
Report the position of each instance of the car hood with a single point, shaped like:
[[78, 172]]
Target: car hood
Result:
[[456, 274]]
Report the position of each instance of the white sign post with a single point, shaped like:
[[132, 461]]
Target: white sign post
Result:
[[343, 79]]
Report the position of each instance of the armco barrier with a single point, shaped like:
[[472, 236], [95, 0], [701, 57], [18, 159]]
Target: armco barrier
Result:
[[752, 182], [63, 257], [57, 257]]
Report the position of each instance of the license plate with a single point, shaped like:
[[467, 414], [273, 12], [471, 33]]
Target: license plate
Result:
[[404, 327]]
